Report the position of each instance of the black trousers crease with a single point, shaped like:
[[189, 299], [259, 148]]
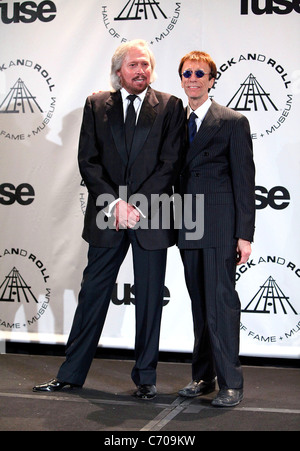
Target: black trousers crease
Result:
[[98, 282]]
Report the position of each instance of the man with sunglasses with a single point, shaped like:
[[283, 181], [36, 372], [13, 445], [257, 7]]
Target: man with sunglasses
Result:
[[219, 165]]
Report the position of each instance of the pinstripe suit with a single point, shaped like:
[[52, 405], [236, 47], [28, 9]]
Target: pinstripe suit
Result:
[[218, 164]]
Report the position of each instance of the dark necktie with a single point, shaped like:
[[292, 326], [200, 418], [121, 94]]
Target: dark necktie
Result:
[[192, 127], [130, 122]]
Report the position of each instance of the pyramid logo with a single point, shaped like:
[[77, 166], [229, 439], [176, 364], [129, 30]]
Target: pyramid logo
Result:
[[138, 10], [251, 96], [15, 289], [270, 300], [19, 100]]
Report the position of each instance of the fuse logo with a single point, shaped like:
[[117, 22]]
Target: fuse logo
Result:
[[22, 194], [128, 296], [27, 12], [270, 6], [277, 198]]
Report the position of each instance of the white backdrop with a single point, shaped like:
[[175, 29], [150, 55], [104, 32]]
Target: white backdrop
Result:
[[56, 53]]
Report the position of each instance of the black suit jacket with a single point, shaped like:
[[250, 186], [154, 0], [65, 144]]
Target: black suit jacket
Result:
[[219, 164], [151, 168]]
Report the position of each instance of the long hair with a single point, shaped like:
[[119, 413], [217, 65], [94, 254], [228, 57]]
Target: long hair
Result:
[[119, 56]]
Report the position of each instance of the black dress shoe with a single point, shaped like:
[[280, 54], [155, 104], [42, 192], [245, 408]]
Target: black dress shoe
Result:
[[146, 392], [195, 388], [53, 385], [228, 398]]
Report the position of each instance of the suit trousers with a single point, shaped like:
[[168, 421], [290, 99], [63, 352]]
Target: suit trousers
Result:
[[210, 279], [98, 281]]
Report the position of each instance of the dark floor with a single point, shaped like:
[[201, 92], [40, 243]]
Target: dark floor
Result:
[[271, 400]]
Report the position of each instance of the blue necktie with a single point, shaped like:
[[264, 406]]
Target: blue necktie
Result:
[[192, 127]]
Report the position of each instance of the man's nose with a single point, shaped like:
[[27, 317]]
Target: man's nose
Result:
[[141, 69], [193, 77]]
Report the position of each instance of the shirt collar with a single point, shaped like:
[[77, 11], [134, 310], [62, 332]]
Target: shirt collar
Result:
[[202, 110], [125, 94]]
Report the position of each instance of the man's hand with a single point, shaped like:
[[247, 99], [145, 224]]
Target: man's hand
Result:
[[243, 251], [126, 216]]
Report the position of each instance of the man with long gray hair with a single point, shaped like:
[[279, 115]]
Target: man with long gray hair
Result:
[[129, 145]]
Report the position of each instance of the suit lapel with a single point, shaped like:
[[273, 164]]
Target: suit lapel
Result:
[[209, 127], [114, 111], [145, 122]]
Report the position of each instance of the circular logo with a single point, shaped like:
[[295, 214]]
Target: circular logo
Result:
[[259, 87], [153, 20], [24, 290], [27, 99], [270, 308]]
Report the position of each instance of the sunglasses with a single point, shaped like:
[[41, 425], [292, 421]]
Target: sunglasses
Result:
[[198, 73]]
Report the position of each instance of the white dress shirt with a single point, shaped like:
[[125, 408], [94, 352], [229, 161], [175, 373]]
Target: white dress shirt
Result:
[[200, 112], [137, 103], [137, 106]]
